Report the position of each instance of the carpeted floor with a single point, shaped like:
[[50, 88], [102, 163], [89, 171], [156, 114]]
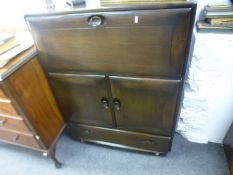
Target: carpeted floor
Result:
[[89, 159]]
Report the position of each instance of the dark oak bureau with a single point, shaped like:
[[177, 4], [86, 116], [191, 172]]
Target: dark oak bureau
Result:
[[117, 72]]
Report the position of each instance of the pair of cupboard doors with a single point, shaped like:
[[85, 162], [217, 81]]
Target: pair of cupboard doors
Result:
[[129, 103]]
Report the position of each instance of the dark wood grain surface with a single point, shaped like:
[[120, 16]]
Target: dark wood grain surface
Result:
[[153, 46], [80, 98], [127, 139], [30, 89], [118, 72], [146, 105]]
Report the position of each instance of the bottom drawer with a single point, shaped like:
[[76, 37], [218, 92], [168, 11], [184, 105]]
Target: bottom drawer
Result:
[[131, 140], [16, 138]]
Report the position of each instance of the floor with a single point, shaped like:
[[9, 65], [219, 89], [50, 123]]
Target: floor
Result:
[[90, 159]]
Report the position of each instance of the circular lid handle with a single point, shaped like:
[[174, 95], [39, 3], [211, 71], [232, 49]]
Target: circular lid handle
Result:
[[95, 21]]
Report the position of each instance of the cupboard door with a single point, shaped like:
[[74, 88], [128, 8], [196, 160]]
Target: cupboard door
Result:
[[144, 104], [82, 98]]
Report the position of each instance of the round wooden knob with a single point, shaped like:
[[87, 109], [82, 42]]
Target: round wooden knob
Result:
[[105, 102]]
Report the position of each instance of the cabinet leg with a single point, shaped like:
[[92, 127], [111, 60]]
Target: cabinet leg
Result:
[[53, 157]]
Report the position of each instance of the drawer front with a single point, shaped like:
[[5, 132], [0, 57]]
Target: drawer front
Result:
[[135, 140], [7, 108], [20, 139], [150, 42], [13, 124], [3, 96]]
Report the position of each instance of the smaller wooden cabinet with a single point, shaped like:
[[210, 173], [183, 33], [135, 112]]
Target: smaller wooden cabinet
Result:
[[29, 116]]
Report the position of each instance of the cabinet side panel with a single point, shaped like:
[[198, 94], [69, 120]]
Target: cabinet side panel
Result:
[[31, 90]]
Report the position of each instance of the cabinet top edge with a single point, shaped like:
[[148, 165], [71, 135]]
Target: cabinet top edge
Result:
[[159, 5], [17, 62]]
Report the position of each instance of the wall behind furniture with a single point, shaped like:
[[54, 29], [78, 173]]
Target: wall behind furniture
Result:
[[12, 12], [207, 109]]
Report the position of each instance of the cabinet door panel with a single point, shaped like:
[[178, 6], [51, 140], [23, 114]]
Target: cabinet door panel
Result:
[[153, 46], [81, 98], [146, 105]]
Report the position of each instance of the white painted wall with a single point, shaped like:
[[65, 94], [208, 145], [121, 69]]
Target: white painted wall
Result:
[[12, 12], [207, 110]]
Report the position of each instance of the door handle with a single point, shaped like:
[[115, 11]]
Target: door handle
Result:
[[117, 104], [15, 138], [105, 102], [148, 142], [86, 132]]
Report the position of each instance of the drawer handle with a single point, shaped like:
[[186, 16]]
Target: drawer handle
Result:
[[3, 122], [117, 104], [148, 142], [105, 102], [86, 131], [15, 139], [95, 21]]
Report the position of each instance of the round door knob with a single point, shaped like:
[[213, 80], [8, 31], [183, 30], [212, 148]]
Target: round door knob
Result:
[[105, 102], [117, 104], [95, 21]]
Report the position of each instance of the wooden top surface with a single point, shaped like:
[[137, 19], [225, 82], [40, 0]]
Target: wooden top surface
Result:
[[17, 62], [97, 6]]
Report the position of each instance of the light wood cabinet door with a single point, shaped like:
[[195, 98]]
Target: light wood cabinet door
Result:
[[144, 104], [83, 98]]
